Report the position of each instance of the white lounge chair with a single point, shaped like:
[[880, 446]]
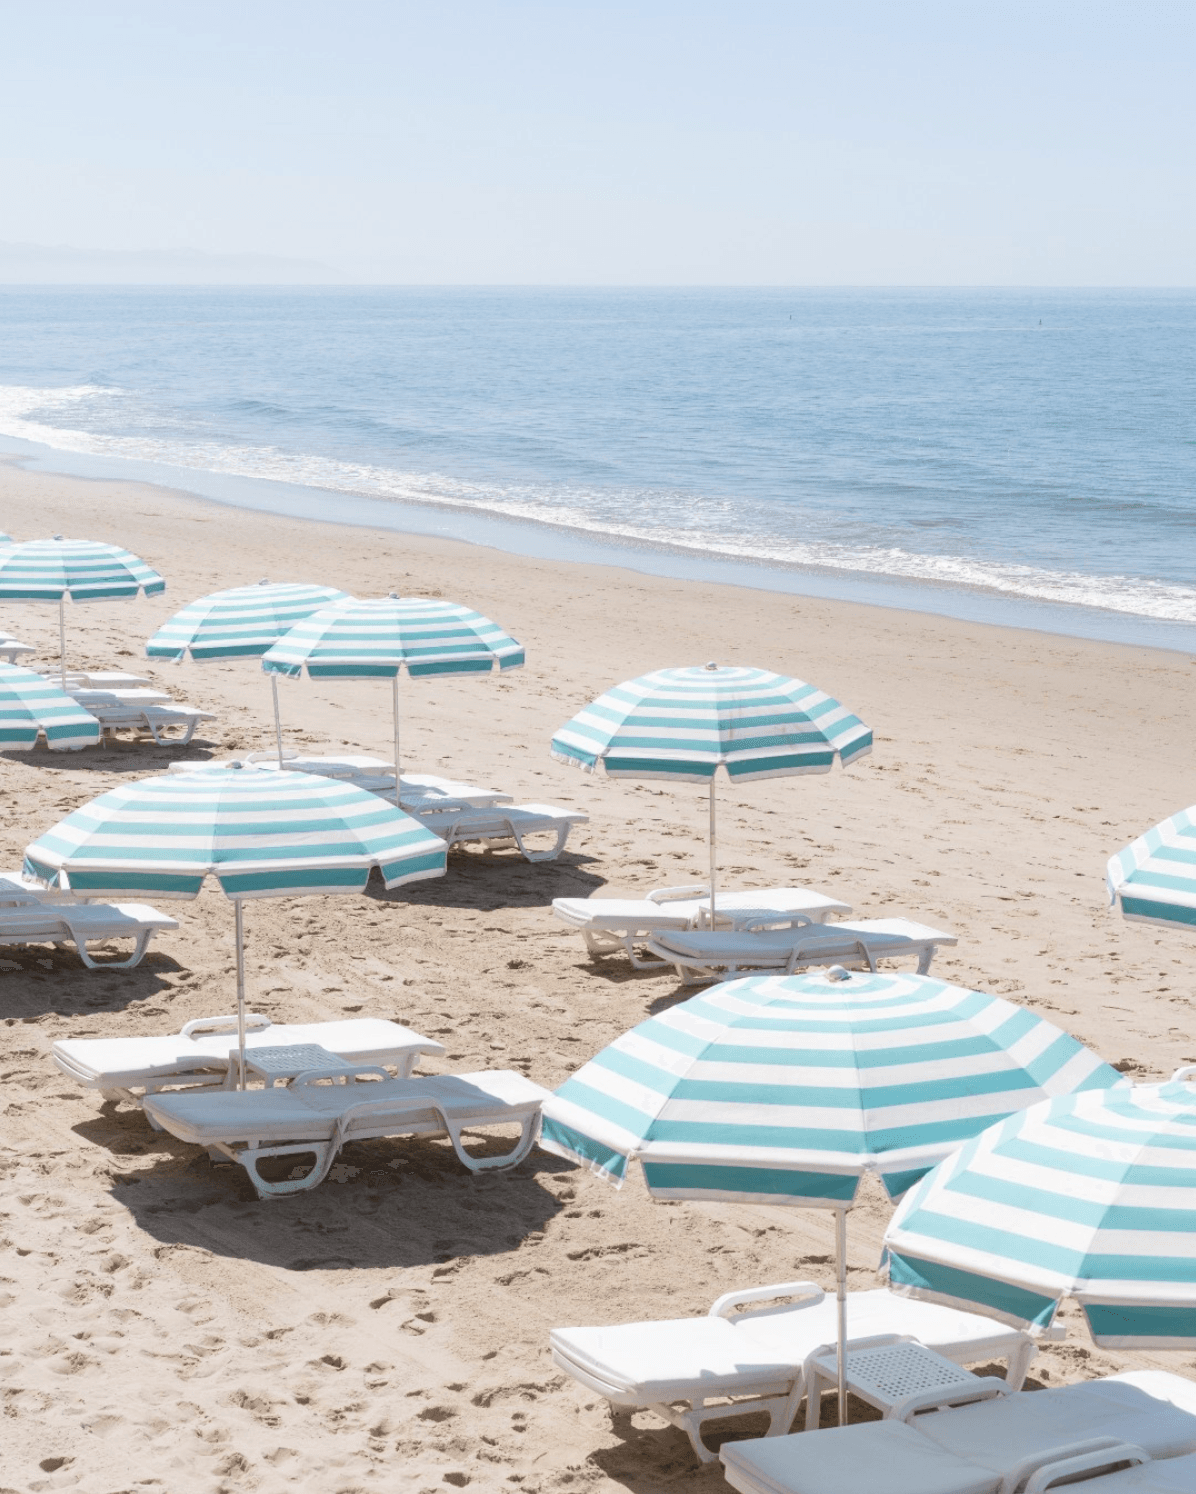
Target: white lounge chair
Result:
[[795, 943], [122, 710], [502, 824], [314, 1118], [609, 925], [12, 649], [695, 1370], [993, 1444], [29, 916], [425, 790], [203, 1055]]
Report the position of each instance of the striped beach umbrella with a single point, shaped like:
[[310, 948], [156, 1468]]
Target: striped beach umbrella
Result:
[[85, 570], [787, 1089], [32, 706], [261, 834], [379, 637], [240, 623], [1154, 878], [681, 725], [1090, 1196]]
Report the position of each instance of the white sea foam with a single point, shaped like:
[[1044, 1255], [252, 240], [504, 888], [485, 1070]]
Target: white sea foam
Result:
[[31, 414]]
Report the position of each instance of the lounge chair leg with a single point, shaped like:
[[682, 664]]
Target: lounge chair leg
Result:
[[509, 1159], [135, 958], [324, 1152], [1018, 1363], [924, 960]]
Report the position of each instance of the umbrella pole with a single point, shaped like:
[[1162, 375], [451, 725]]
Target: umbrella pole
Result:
[[240, 994], [841, 1286], [62, 641], [394, 687], [277, 717], [713, 851]]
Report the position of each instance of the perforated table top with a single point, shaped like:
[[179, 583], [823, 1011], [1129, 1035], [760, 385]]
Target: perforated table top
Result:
[[288, 1061], [889, 1373]]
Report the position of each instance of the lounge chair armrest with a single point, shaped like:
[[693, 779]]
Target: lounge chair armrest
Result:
[[723, 1306], [1185, 1071], [980, 1388], [779, 921], [1041, 1469], [254, 1022], [344, 1071], [674, 894]]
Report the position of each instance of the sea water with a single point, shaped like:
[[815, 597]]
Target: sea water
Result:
[[1018, 455]]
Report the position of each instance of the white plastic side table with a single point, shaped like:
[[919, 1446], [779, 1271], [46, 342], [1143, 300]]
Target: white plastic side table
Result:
[[884, 1376]]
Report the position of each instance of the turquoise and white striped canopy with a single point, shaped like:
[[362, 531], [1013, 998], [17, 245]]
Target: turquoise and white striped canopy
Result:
[[1091, 1196], [680, 724], [84, 570], [379, 636], [263, 834], [242, 622], [1154, 878], [786, 1089], [30, 704]]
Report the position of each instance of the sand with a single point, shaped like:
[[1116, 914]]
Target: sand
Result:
[[161, 1329]]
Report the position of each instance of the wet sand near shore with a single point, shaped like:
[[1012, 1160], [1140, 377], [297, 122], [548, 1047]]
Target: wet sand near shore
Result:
[[160, 1329]]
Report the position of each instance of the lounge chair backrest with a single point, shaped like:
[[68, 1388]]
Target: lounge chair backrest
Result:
[[724, 1306], [345, 1072], [1097, 1459], [254, 1022], [986, 1388], [676, 894], [778, 921]]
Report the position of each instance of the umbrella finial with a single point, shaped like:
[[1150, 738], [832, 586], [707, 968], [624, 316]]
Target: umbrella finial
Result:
[[393, 596], [837, 972], [58, 537], [711, 665], [265, 581]]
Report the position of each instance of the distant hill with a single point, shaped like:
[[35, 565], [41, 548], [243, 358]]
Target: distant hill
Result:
[[59, 264]]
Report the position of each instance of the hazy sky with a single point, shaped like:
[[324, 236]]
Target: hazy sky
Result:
[[842, 141]]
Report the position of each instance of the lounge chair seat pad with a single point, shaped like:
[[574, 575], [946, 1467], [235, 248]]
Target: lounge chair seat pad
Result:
[[1161, 1476], [310, 1112], [966, 1450], [526, 818], [1152, 1408], [880, 934], [880, 1457], [684, 1358], [114, 1063], [618, 913]]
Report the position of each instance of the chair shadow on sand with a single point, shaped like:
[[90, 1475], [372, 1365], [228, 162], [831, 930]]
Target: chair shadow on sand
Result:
[[387, 1203]]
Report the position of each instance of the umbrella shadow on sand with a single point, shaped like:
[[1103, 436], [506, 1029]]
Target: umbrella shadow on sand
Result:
[[489, 882], [40, 979], [117, 757], [387, 1203]]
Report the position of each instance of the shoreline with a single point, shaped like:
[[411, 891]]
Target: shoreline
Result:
[[542, 539], [395, 1320]]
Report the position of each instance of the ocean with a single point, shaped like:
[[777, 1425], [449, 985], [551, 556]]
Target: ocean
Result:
[[1016, 456]]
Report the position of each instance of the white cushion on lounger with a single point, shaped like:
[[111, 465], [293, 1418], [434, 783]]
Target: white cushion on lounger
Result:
[[1152, 1409], [884, 1457], [311, 1112], [117, 1063], [618, 913]]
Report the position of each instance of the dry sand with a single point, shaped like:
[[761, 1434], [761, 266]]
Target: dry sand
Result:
[[162, 1330]]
